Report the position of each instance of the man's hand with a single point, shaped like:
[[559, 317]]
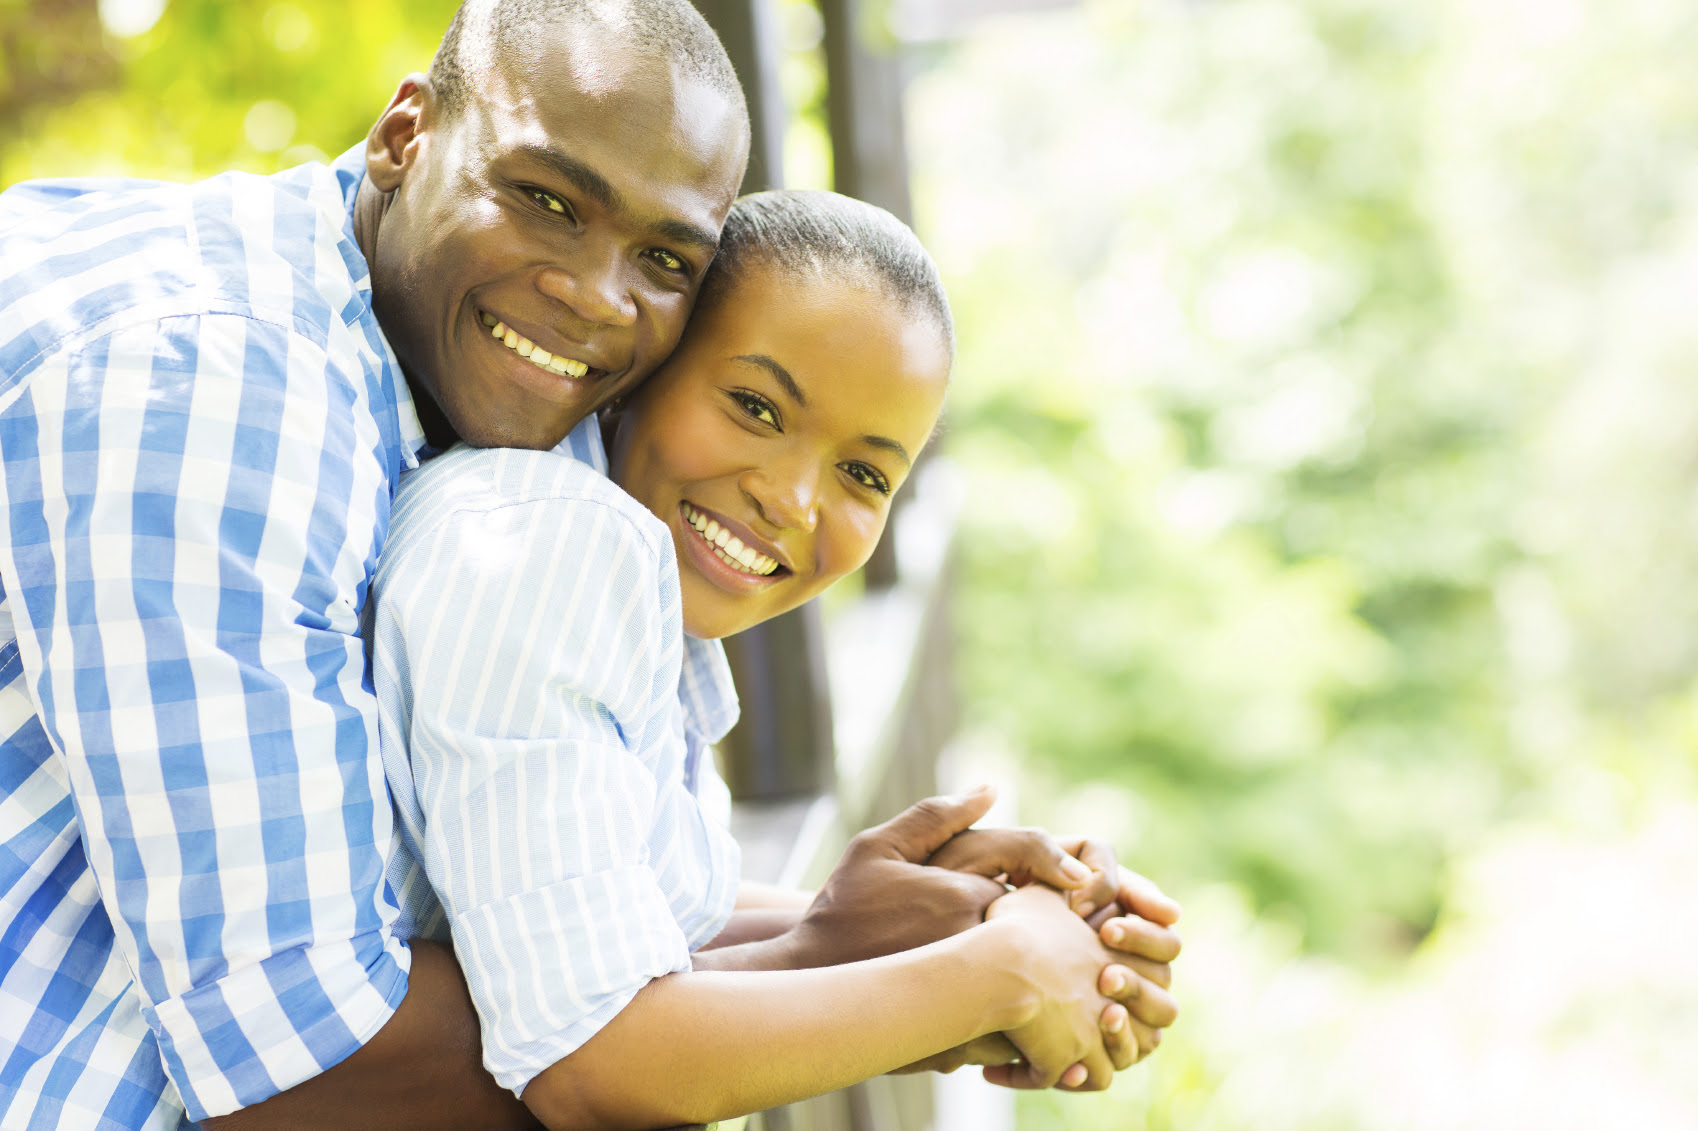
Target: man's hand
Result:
[[883, 898]]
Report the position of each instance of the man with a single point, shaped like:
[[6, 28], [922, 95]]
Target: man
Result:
[[207, 394]]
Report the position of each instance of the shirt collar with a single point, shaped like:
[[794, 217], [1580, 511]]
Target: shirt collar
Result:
[[350, 171]]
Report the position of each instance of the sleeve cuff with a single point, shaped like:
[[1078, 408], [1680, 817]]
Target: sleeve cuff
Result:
[[264, 1028], [547, 968]]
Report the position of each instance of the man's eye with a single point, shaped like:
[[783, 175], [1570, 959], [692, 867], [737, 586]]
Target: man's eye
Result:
[[548, 200], [757, 407], [667, 260], [868, 477]]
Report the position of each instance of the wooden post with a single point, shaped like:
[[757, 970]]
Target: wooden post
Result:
[[864, 85], [782, 745], [749, 30]]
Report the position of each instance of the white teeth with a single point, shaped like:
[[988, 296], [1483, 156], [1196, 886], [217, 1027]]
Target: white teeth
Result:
[[726, 548], [525, 348]]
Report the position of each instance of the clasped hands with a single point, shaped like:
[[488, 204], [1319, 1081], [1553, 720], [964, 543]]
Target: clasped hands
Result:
[[1104, 934]]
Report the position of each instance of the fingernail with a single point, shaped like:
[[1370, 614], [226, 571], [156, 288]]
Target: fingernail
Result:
[[1084, 909], [1074, 1076], [1117, 1021], [1118, 934], [1075, 869]]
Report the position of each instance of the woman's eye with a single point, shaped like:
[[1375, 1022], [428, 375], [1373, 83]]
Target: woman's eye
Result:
[[757, 407], [548, 200], [868, 477], [667, 260]]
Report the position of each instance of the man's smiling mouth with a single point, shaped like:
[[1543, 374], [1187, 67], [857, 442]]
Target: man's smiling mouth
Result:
[[726, 547], [525, 348]]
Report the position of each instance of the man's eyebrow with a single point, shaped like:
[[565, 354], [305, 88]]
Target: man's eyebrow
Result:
[[597, 187], [779, 373]]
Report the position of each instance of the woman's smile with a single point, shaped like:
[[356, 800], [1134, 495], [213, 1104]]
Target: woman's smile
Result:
[[714, 534]]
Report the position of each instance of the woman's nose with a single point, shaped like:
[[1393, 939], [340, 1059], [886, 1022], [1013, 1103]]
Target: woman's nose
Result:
[[786, 495]]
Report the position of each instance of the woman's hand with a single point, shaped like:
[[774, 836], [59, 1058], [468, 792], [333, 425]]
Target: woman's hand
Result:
[[1066, 962]]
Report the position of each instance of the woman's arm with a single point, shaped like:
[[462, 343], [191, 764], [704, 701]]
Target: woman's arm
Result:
[[706, 1045]]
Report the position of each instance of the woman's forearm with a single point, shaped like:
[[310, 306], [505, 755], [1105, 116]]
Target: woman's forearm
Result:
[[706, 1045]]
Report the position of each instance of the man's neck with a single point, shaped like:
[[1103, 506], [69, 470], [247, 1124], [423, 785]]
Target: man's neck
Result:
[[370, 206]]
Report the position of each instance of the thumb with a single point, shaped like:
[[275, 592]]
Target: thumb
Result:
[[923, 828]]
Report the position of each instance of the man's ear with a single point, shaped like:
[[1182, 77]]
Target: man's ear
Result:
[[393, 143]]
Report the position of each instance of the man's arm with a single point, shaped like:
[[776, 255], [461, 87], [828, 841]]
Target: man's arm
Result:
[[424, 1069], [188, 547]]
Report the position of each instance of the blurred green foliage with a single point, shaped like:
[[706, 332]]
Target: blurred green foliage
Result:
[[1276, 321], [212, 85], [1327, 398]]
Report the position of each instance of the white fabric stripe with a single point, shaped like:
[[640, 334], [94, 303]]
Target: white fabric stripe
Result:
[[520, 648], [153, 327]]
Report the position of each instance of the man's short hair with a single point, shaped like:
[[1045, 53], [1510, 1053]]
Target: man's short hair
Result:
[[481, 31]]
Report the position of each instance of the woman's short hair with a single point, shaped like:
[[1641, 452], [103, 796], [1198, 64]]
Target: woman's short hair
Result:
[[825, 234]]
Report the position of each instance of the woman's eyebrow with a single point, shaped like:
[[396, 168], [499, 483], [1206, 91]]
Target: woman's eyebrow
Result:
[[779, 374], [889, 445]]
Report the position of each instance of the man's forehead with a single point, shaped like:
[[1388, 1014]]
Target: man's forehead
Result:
[[652, 140]]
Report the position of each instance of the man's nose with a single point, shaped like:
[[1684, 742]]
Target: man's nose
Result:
[[597, 292]]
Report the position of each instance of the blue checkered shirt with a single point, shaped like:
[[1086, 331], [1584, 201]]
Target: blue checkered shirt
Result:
[[201, 431], [546, 730]]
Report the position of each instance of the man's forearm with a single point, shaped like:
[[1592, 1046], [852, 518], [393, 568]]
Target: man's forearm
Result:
[[424, 1069]]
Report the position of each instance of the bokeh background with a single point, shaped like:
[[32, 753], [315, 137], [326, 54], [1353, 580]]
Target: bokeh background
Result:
[[1328, 408]]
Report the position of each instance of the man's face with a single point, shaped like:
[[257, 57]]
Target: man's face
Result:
[[572, 203]]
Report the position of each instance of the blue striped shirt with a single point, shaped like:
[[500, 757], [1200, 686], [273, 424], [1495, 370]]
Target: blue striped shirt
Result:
[[201, 430], [546, 728]]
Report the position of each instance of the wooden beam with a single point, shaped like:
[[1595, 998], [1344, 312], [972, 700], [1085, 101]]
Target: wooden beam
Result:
[[749, 30]]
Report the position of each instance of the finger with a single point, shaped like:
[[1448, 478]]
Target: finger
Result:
[[1098, 1074], [1148, 1039], [923, 828], [974, 894], [1119, 1041], [1142, 897], [1134, 935], [1152, 1005], [1119, 984], [1020, 1075], [993, 1048], [1101, 915], [1158, 972], [1030, 854], [1098, 856]]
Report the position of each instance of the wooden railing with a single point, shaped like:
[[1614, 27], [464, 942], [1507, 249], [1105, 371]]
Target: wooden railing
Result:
[[889, 657]]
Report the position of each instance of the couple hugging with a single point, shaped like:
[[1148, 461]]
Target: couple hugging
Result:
[[358, 641]]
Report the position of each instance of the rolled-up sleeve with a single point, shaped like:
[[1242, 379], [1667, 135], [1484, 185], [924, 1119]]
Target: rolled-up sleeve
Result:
[[541, 669], [193, 505]]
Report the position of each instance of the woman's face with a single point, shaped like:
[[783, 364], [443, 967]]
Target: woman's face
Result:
[[771, 441]]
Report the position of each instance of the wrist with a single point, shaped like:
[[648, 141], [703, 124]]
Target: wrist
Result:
[[1002, 955]]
